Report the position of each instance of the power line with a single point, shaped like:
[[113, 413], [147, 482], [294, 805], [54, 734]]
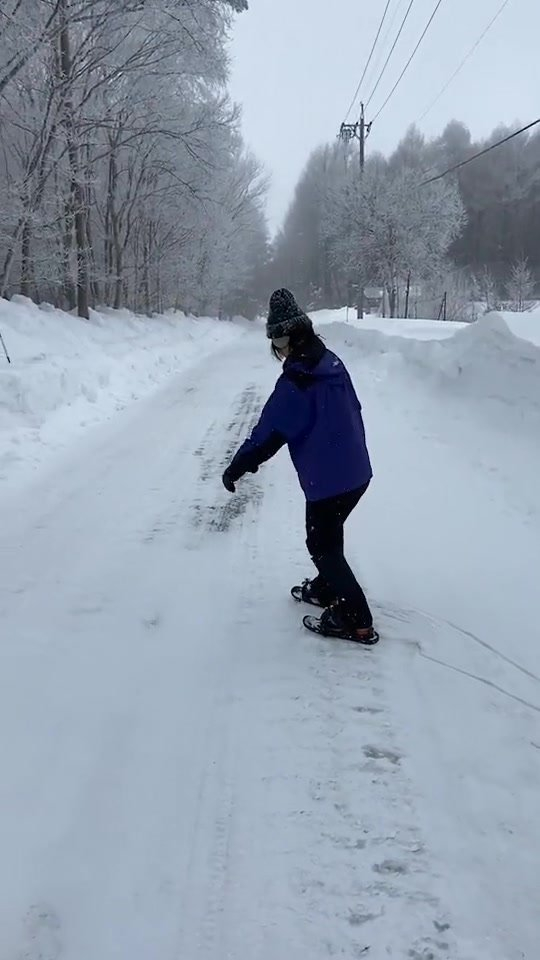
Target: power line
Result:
[[465, 60], [381, 25], [482, 153], [387, 61], [410, 60], [382, 46]]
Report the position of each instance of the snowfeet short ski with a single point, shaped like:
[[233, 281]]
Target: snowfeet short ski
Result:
[[306, 594], [331, 625]]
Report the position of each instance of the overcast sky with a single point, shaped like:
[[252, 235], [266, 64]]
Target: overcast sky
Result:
[[296, 65]]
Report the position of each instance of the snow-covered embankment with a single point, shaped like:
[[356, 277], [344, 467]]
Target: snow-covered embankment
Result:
[[67, 373]]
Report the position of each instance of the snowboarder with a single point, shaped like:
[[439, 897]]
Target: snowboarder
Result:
[[315, 411]]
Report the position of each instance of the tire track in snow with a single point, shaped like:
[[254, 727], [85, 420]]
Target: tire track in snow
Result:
[[204, 513], [375, 826], [204, 927], [455, 805], [217, 830], [419, 630], [325, 854], [204, 906], [218, 518]]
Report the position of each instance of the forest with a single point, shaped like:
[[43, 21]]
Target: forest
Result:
[[469, 238], [123, 176], [124, 180]]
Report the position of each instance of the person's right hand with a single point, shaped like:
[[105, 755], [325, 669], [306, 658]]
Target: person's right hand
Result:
[[228, 482]]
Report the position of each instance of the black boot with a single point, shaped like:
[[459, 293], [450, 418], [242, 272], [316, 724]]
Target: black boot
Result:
[[310, 591]]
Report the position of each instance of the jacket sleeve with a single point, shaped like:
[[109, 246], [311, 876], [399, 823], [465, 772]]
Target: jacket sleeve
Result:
[[356, 397], [284, 416]]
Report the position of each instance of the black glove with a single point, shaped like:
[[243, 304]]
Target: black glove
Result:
[[228, 481]]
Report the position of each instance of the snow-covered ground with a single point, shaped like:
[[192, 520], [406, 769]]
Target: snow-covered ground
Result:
[[185, 773]]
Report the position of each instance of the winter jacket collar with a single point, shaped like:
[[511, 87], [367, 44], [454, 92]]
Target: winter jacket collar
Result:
[[299, 367]]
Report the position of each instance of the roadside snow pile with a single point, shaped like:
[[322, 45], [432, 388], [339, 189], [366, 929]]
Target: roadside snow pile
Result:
[[482, 360], [417, 329], [67, 373], [525, 325]]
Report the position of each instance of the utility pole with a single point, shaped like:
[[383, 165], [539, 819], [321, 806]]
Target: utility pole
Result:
[[362, 138], [358, 131]]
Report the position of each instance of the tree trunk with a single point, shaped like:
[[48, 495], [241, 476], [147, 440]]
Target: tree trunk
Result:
[[26, 264], [114, 245], [69, 286], [392, 301], [83, 304], [10, 257], [159, 303], [360, 299], [93, 273], [78, 194], [119, 283], [118, 261], [146, 276], [6, 272]]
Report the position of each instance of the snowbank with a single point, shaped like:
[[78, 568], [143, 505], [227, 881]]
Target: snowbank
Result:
[[524, 325], [67, 373], [482, 360], [412, 329]]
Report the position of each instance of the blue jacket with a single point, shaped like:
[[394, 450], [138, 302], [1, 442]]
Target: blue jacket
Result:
[[315, 411]]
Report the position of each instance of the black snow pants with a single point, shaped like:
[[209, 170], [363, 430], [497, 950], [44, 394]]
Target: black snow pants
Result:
[[325, 520]]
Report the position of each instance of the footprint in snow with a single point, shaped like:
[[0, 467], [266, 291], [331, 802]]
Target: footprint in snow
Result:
[[391, 867], [378, 753], [42, 930]]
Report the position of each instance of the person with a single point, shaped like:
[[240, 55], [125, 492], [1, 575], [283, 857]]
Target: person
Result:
[[314, 409]]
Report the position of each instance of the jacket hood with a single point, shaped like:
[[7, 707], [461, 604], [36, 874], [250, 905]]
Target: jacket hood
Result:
[[316, 363]]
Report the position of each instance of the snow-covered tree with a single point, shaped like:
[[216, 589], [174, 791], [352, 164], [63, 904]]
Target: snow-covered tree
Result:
[[485, 289], [302, 254], [345, 230], [520, 285], [123, 171], [500, 193], [392, 226]]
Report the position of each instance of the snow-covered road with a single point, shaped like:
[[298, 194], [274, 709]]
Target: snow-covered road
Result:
[[187, 775]]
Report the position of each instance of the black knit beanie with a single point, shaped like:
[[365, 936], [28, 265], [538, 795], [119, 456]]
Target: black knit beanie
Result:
[[285, 316]]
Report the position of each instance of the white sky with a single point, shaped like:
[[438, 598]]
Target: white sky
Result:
[[296, 65]]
